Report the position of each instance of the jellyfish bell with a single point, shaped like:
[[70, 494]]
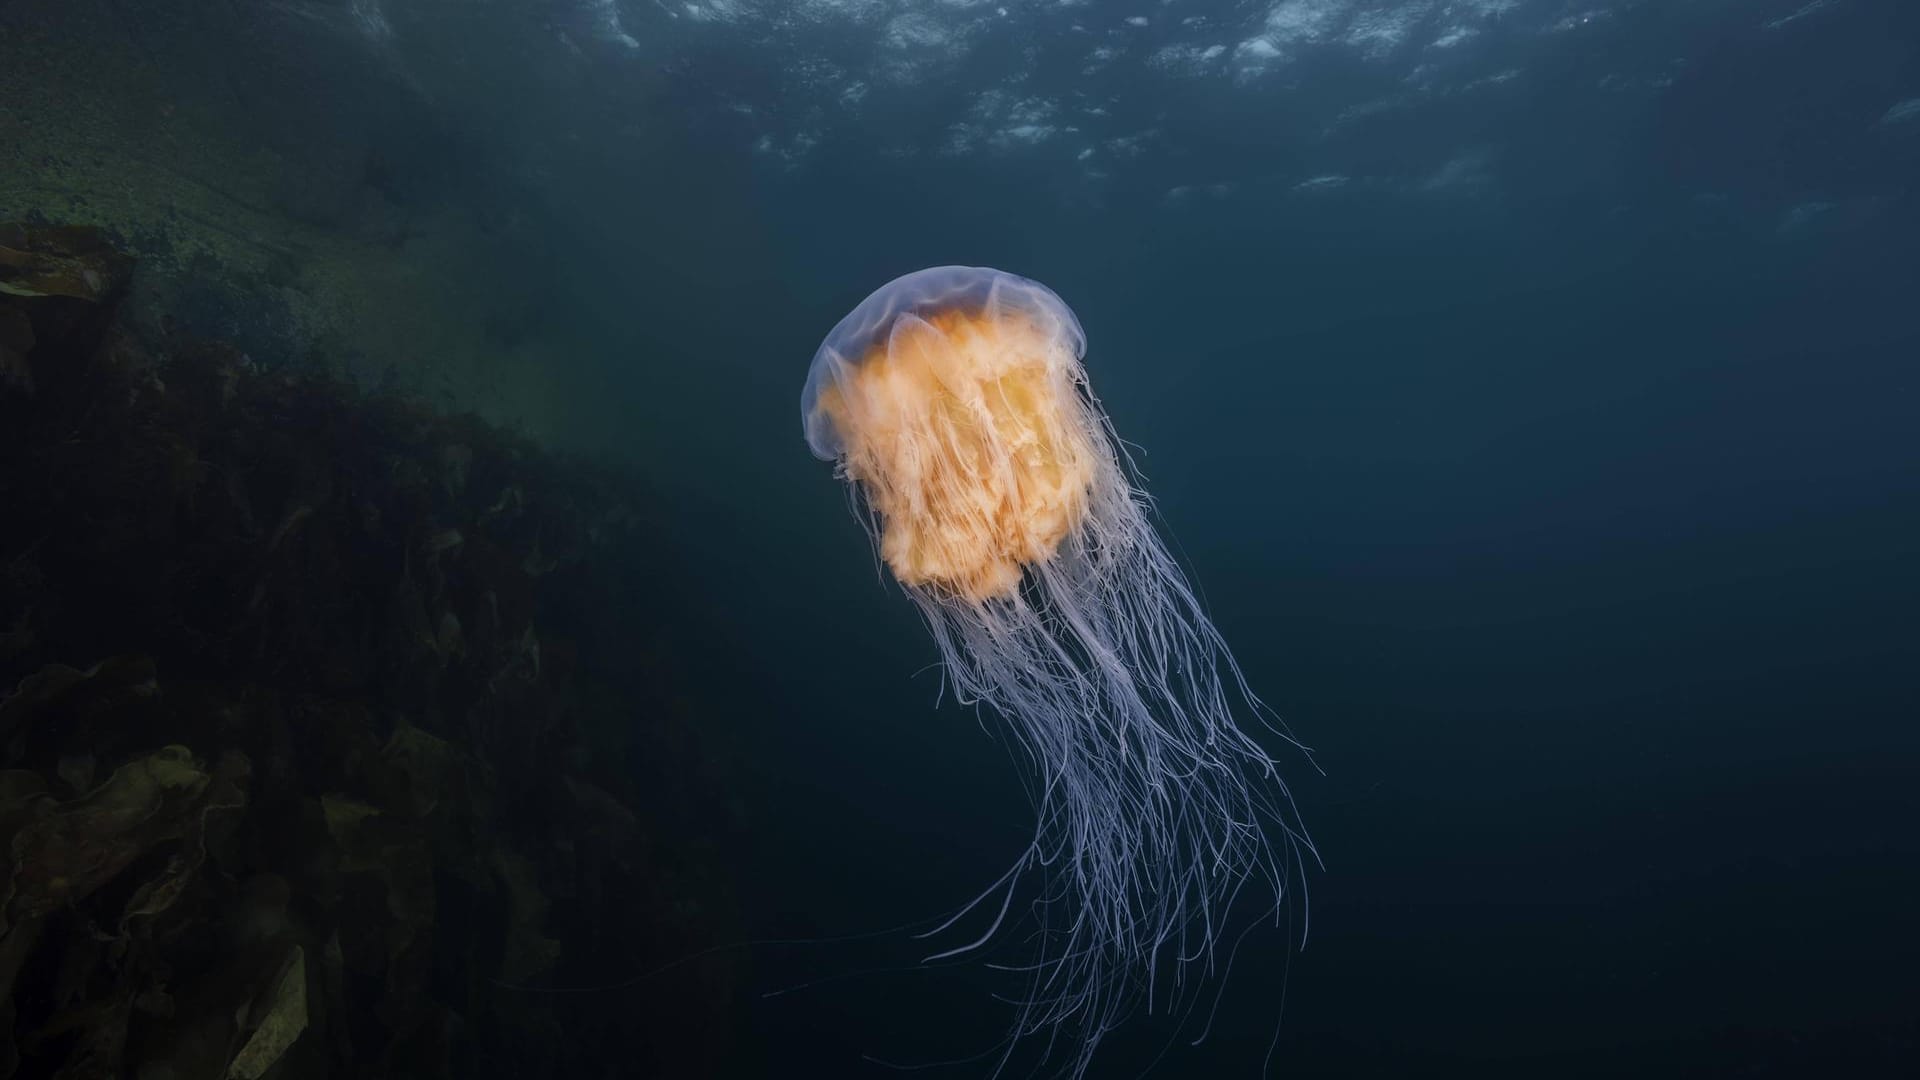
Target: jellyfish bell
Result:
[[935, 290], [950, 397], [955, 402]]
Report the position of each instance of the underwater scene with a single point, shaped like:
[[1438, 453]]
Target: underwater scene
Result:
[[959, 538]]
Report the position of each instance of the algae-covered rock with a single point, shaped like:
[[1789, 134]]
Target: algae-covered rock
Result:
[[62, 857], [16, 340], [311, 759], [72, 260]]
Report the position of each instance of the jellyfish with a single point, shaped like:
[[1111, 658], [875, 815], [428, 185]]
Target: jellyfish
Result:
[[954, 402]]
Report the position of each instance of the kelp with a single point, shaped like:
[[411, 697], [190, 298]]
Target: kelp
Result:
[[294, 703], [281, 1018]]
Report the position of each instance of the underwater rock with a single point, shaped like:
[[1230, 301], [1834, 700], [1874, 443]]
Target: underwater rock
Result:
[[355, 653], [61, 858], [16, 340], [60, 260]]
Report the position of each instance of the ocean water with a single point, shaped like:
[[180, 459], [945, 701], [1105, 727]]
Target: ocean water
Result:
[[1530, 388]]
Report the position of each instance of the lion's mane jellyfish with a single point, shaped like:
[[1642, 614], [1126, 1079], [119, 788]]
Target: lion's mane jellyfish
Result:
[[954, 400]]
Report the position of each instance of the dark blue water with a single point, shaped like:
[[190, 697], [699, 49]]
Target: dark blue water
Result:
[[1530, 387], [1569, 518]]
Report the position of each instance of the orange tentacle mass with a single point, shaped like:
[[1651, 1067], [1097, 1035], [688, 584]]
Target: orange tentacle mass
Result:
[[969, 436]]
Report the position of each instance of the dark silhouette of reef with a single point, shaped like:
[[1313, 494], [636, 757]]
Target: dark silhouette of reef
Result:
[[327, 725]]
